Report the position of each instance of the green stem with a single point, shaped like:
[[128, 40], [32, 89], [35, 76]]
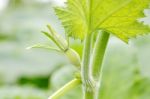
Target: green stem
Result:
[[86, 79], [97, 59], [98, 54], [66, 88]]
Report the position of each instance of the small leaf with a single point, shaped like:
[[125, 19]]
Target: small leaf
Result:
[[44, 47], [56, 38]]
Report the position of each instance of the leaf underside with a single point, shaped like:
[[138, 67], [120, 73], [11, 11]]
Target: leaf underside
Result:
[[119, 17]]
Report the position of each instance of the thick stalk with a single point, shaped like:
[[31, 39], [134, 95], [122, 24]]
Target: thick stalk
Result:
[[97, 59], [86, 79], [66, 88], [98, 54]]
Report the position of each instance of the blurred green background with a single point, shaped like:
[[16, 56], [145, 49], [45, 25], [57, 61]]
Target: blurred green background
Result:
[[36, 73]]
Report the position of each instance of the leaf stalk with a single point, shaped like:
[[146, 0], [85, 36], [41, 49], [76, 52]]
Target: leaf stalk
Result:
[[66, 88]]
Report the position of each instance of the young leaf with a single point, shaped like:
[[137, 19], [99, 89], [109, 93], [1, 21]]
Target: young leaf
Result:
[[44, 47], [119, 17]]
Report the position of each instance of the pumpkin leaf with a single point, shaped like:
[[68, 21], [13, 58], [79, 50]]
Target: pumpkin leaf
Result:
[[119, 17]]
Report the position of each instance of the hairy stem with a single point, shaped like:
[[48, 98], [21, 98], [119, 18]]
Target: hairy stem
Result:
[[66, 88], [86, 79]]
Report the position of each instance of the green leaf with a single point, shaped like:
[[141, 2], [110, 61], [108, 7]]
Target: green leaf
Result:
[[56, 38], [119, 17]]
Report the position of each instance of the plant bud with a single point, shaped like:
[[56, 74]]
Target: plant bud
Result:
[[74, 57]]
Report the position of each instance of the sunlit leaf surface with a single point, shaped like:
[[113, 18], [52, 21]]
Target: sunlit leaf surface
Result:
[[119, 17]]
